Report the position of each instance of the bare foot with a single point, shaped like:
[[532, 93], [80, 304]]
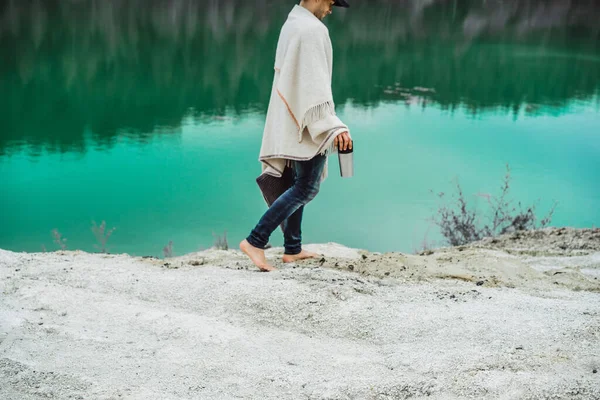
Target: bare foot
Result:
[[287, 258], [257, 256]]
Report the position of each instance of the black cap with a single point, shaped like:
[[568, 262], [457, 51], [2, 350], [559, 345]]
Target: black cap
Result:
[[341, 3]]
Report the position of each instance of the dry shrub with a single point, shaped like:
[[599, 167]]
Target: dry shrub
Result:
[[460, 224]]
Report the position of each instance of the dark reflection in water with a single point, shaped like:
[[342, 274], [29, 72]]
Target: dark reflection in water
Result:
[[111, 67]]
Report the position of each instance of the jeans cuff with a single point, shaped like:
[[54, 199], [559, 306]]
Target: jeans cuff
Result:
[[292, 251], [250, 239]]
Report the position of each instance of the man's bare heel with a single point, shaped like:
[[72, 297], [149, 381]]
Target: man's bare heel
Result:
[[257, 256]]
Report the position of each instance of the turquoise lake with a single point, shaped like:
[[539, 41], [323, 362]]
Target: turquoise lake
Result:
[[150, 118]]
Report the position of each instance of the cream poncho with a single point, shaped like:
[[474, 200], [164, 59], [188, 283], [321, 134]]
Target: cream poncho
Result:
[[301, 120]]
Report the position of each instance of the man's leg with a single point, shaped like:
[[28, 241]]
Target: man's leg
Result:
[[292, 236], [305, 188], [292, 232]]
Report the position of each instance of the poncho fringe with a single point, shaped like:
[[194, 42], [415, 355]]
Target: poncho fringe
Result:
[[315, 114]]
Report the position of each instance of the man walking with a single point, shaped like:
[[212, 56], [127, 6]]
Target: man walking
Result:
[[301, 130]]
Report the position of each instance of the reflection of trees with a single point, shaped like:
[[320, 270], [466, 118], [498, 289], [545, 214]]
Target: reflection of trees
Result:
[[480, 77], [106, 65]]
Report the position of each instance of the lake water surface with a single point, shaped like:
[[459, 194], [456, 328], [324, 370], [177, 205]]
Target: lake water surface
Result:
[[149, 115]]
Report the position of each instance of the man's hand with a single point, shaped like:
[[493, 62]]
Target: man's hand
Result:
[[343, 141]]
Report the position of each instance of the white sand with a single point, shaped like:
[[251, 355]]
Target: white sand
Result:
[[87, 326]]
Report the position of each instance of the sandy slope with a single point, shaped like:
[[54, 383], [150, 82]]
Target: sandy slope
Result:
[[514, 319]]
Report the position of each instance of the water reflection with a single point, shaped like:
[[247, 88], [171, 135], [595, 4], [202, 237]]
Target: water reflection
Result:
[[105, 67]]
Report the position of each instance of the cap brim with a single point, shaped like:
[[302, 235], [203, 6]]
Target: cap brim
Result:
[[341, 3]]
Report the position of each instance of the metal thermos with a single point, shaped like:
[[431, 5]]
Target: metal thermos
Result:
[[346, 159]]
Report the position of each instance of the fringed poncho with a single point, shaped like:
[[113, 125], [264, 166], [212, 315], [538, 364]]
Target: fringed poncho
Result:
[[301, 120]]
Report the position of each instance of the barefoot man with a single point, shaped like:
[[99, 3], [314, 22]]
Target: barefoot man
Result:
[[301, 130]]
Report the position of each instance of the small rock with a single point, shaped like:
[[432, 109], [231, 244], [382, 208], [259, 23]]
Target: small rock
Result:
[[364, 257], [519, 347], [351, 267], [594, 371], [479, 283]]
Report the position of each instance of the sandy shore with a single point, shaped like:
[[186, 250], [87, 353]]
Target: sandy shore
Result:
[[511, 318]]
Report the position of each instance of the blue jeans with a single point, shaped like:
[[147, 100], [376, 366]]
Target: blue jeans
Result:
[[288, 208]]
